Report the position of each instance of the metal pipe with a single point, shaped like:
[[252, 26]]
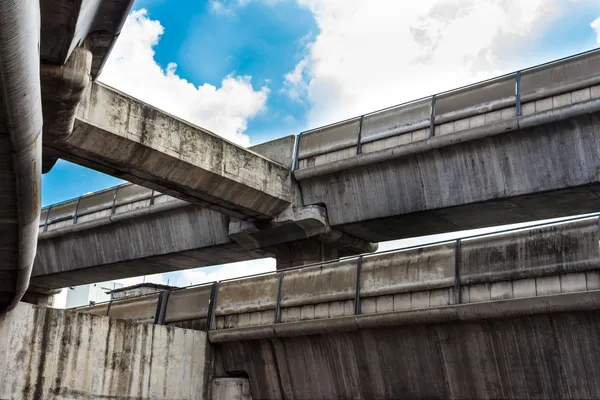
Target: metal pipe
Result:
[[22, 118]]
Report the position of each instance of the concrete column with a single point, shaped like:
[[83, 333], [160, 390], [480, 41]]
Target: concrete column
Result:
[[231, 389], [303, 252]]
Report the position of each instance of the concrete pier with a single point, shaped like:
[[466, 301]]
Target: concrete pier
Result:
[[55, 354]]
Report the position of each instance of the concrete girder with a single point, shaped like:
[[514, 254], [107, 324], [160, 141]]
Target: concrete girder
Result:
[[119, 135]]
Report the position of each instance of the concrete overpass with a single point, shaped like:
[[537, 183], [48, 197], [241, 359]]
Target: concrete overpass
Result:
[[130, 230], [101, 128], [510, 315], [124, 137], [517, 148]]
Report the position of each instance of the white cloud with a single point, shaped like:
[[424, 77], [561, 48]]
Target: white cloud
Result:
[[132, 69], [596, 26], [373, 54], [295, 81], [227, 7], [228, 271]]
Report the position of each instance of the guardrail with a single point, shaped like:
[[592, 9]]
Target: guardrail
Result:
[[442, 269], [111, 201], [498, 98]]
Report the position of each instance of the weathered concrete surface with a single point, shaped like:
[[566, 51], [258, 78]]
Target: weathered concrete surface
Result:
[[55, 354], [124, 137], [68, 24], [231, 389], [513, 315], [462, 159], [181, 238], [424, 282], [20, 146], [548, 356], [48, 31], [540, 172]]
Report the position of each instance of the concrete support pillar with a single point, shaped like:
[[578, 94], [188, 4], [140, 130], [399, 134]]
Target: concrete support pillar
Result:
[[303, 252], [231, 389]]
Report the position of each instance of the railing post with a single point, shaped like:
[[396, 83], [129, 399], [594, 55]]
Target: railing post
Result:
[[357, 288], [47, 216], [76, 209], [152, 198], [277, 318], [161, 307], [359, 142], [296, 161], [457, 262], [211, 320], [518, 93], [432, 117], [114, 204]]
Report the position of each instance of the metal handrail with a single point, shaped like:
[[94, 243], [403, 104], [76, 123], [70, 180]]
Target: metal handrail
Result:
[[485, 81], [517, 77]]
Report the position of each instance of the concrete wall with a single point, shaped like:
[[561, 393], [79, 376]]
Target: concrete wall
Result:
[[546, 356], [231, 389], [55, 354]]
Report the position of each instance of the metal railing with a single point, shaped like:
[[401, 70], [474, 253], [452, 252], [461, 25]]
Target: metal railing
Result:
[[112, 205], [516, 76]]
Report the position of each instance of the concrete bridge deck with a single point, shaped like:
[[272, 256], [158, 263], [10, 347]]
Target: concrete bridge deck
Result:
[[517, 148], [130, 230], [492, 155], [512, 315], [124, 137]]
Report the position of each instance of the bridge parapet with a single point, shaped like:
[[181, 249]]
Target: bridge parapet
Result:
[[415, 284], [496, 103]]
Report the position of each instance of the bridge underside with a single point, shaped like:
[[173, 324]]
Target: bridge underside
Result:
[[197, 237], [543, 356]]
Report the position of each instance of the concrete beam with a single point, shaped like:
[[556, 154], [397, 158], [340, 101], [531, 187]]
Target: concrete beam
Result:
[[124, 137], [65, 25], [537, 166], [161, 238]]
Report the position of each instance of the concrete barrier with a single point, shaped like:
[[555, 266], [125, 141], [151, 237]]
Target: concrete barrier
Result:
[[553, 85]]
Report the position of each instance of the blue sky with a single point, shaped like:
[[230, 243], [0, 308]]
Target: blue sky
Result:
[[255, 70]]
